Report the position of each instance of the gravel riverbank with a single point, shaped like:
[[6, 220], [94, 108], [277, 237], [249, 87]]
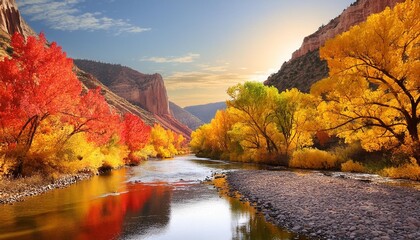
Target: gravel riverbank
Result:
[[18, 190], [324, 207]]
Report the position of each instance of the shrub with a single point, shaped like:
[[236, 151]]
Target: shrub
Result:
[[351, 166], [313, 158], [408, 171], [349, 151]]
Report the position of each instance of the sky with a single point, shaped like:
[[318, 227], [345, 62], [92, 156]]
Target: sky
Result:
[[200, 47]]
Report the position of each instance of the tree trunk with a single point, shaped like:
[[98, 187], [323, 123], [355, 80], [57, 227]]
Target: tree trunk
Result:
[[26, 144], [17, 172]]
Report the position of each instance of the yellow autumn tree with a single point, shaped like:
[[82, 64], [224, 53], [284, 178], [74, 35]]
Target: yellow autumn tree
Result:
[[294, 116], [373, 92], [254, 103], [164, 143], [260, 125]]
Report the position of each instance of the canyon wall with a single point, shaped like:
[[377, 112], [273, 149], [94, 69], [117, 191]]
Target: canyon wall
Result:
[[305, 67], [354, 14], [11, 20], [145, 90]]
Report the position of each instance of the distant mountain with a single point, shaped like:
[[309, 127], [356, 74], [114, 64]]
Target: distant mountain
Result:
[[305, 67], [184, 116], [206, 112], [144, 90]]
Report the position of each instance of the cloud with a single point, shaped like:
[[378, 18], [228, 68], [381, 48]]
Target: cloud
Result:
[[65, 16], [203, 80], [190, 57]]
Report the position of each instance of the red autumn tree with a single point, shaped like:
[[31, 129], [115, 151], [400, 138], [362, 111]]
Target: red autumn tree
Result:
[[94, 117], [135, 134], [36, 82]]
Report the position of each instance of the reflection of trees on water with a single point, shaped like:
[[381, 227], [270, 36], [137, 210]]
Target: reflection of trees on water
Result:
[[247, 224], [151, 215], [135, 212], [78, 213]]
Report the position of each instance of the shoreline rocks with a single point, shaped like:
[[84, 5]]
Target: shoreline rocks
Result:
[[10, 197], [323, 207]]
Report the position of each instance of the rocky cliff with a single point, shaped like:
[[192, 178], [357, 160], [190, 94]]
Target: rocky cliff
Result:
[[11, 20], [354, 14], [145, 90], [305, 67], [123, 105]]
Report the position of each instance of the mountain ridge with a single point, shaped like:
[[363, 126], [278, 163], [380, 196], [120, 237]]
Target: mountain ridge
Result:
[[184, 116], [206, 112]]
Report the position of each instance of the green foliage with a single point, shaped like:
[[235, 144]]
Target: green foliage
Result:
[[259, 125]]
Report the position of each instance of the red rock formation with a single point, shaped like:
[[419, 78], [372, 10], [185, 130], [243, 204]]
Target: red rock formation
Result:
[[123, 106], [147, 90], [144, 90], [11, 20], [356, 13]]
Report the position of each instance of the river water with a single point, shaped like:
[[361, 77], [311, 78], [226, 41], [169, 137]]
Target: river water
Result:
[[160, 199]]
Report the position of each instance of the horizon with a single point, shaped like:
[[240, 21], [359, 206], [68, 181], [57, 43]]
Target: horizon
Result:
[[200, 48]]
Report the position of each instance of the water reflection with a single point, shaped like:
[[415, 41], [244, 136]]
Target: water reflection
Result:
[[158, 200]]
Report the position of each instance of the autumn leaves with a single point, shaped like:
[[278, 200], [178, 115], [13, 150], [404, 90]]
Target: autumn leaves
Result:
[[260, 124], [50, 125], [372, 96]]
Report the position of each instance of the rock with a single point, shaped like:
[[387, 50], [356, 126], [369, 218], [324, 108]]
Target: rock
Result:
[[356, 13], [330, 208], [11, 20], [296, 228], [305, 67], [147, 91], [217, 176]]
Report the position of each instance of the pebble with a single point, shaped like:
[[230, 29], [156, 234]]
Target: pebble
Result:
[[13, 197], [324, 207]]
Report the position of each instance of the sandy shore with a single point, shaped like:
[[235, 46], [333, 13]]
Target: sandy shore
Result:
[[22, 189], [324, 207]]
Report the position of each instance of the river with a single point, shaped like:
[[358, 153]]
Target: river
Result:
[[160, 199]]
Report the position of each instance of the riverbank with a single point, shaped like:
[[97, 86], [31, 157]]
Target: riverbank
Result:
[[324, 207], [16, 190]]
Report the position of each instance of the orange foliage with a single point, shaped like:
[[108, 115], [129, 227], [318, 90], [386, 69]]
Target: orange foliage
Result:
[[135, 135], [44, 116]]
